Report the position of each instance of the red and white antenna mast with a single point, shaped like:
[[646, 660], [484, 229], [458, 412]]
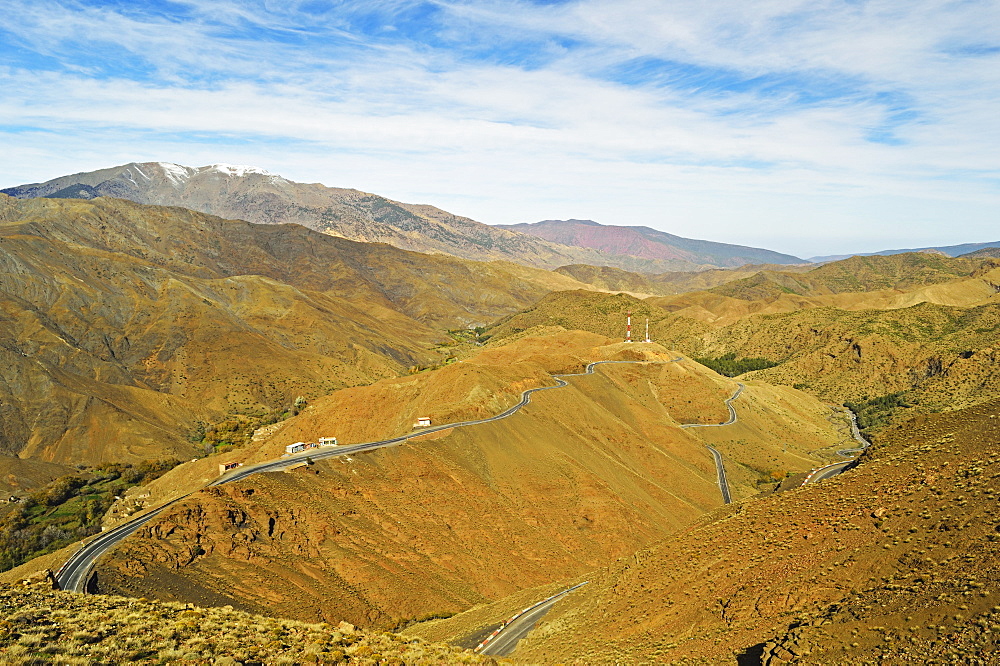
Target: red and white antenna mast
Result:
[[628, 328], [647, 330]]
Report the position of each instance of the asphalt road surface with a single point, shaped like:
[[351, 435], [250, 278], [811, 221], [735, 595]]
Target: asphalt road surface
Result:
[[732, 412], [832, 470], [75, 574], [856, 433], [837, 468], [720, 469], [505, 642]]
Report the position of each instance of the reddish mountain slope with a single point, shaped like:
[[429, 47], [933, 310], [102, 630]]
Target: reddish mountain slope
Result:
[[649, 243]]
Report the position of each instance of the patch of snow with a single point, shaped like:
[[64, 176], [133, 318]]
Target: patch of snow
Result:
[[175, 172], [136, 167], [235, 169]]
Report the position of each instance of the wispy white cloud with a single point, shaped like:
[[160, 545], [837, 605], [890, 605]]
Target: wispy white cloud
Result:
[[777, 121]]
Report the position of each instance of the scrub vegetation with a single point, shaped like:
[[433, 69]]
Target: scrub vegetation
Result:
[[68, 509], [730, 366], [877, 412], [39, 626]]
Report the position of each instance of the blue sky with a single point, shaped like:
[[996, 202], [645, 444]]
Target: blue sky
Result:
[[815, 127]]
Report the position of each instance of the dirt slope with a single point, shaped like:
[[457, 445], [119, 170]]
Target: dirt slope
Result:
[[895, 561], [125, 325], [581, 476]]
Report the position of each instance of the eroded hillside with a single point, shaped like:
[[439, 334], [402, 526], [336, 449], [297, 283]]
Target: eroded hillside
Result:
[[581, 476], [920, 326], [126, 325], [895, 561]]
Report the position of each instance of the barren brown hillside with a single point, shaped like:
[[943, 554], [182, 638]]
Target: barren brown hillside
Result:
[[944, 357], [895, 561], [780, 285], [580, 476], [607, 278], [858, 283], [125, 325], [934, 343]]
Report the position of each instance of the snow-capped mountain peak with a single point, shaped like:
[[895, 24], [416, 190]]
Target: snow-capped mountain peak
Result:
[[235, 169], [176, 172]]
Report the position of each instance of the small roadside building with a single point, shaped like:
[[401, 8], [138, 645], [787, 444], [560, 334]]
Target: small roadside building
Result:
[[224, 467], [296, 447], [422, 422], [328, 441]]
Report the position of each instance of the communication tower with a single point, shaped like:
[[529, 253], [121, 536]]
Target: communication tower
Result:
[[628, 327], [647, 330]]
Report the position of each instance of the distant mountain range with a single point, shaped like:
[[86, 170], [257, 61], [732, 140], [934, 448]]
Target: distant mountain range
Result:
[[649, 243], [252, 194], [950, 250]]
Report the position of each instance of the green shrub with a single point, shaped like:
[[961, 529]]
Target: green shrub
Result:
[[877, 412], [730, 366], [69, 508]]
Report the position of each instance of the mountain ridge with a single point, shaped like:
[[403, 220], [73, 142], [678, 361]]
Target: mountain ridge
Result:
[[649, 243], [125, 324], [255, 195], [959, 250]]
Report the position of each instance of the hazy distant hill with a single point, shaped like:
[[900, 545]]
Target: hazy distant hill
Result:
[[608, 278], [991, 251], [950, 250], [853, 275], [248, 193], [649, 243]]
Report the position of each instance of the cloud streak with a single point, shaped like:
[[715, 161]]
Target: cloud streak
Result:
[[777, 122]]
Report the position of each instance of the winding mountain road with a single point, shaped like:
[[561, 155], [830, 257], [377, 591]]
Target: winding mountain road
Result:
[[856, 433], [506, 638], [720, 469], [836, 468], [75, 573]]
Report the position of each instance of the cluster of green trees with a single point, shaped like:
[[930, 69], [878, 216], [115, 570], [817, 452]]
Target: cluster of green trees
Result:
[[730, 366], [68, 509], [877, 412], [237, 430]]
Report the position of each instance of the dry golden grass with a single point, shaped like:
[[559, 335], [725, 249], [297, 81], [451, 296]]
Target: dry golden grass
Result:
[[39, 626]]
